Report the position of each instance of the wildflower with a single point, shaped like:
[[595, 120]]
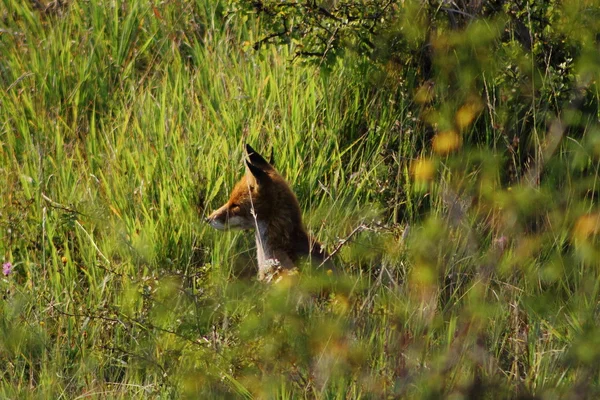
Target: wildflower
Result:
[[7, 268]]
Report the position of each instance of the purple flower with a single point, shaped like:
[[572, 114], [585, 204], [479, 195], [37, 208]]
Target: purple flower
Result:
[[7, 268]]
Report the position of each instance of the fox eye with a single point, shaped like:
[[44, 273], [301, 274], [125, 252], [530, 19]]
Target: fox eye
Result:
[[235, 206]]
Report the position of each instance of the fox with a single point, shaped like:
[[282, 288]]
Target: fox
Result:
[[262, 200]]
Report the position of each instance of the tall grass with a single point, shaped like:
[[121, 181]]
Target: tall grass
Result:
[[123, 125]]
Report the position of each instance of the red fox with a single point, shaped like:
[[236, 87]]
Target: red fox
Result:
[[263, 201]]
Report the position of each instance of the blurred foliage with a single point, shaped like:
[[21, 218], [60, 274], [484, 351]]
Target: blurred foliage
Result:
[[447, 152]]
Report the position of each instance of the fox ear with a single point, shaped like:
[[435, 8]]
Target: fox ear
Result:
[[257, 159], [256, 172]]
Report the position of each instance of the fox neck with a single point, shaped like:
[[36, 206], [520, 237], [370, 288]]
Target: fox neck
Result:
[[273, 249]]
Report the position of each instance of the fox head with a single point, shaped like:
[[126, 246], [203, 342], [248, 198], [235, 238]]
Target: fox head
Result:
[[256, 197]]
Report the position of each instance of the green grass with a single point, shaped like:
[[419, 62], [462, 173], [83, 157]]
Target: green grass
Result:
[[122, 126]]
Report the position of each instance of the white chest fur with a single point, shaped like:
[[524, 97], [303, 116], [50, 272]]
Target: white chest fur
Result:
[[270, 259], [263, 251]]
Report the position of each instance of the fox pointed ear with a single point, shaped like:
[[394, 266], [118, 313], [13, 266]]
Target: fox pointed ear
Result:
[[257, 159], [258, 174]]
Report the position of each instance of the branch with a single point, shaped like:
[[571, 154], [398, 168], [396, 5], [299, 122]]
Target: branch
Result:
[[266, 39], [342, 242], [59, 206]]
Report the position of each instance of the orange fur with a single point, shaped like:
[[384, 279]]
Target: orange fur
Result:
[[262, 200]]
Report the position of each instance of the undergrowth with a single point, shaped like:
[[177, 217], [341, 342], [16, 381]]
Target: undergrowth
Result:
[[470, 260]]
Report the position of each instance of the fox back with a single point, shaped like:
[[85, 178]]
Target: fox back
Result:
[[262, 200]]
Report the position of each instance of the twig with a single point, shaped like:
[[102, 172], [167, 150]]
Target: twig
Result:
[[59, 206], [90, 316], [144, 325], [267, 38], [136, 355], [342, 242]]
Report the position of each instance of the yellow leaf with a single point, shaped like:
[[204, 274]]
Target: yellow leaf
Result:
[[466, 114], [446, 142], [422, 169], [587, 225]]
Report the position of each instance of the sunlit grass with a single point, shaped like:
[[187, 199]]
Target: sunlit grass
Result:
[[123, 125]]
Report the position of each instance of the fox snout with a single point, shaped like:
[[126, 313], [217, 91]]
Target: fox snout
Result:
[[218, 219], [228, 217]]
